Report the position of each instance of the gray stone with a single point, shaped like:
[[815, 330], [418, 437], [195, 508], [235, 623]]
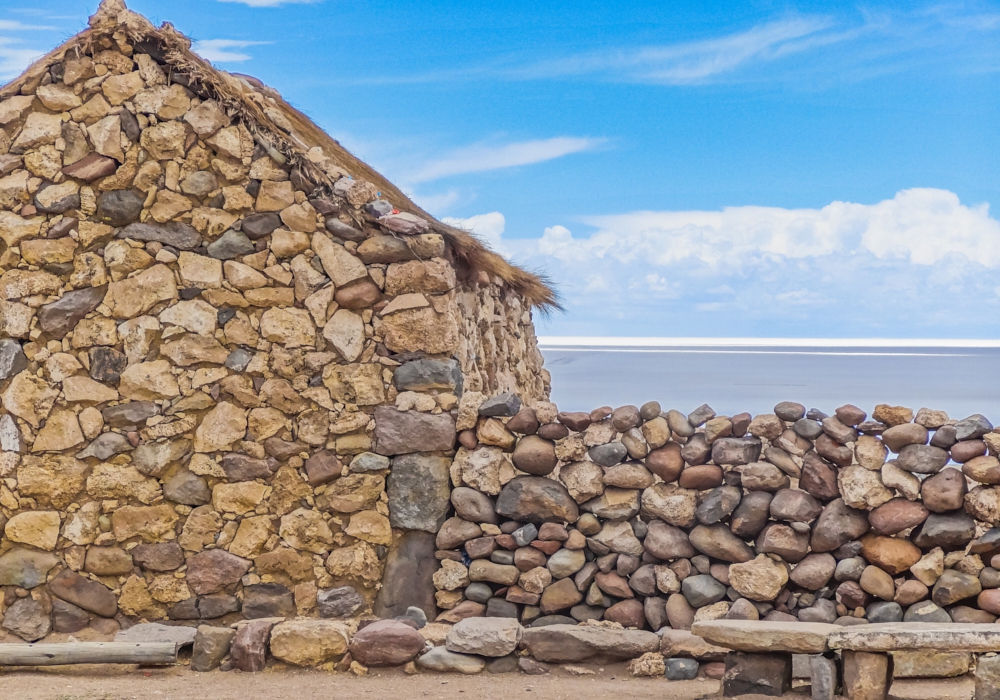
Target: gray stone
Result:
[[946, 530], [106, 445], [838, 524], [443, 661], [267, 600], [884, 611], [120, 207], [572, 643], [12, 358], [61, 316], [161, 556], [789, 411], [187, 488], [702, 590], [402, 432], [129, 415], [155, 458], [718, 504], [157, 632], [257, 226], [763, 674], [751, 514], [419, 492], [238, 359], [484, 636], [536, 499], [211, 646], [27, 619], [428, 374], [173, 233], [229, 245], [525, 534], [926, 611], [823, 672], [11, 439], [68, 618], [418, 616], [505, 664], [339, 602], [501, 405], [473, 505], [719, 542], [736, 450], [368, 462], [608, 455], [25, 568], [823, 610], [809, 429], [973, 427], [922, 459], [479, 592], [409, 577], [988, 678], [498, 607], [680, 669], [84, 593]]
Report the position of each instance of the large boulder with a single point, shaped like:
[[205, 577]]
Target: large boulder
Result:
[[419, 490], [309, 642]]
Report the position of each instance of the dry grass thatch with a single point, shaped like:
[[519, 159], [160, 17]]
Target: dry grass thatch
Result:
[[244, 103]]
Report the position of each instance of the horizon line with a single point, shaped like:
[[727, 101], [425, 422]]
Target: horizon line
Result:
[[665, 342]]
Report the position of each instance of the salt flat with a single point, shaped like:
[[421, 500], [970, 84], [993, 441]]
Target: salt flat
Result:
[[753, 374]]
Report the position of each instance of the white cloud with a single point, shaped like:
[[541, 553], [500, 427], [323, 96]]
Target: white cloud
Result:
[[694, 61], [488, 227], [483, 157], [921, 263], [272, 3], [13, 60], [12, 25], [219, 50]]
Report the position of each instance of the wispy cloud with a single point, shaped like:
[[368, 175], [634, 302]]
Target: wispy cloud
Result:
[[690, 62], [920, 262], [220, 50], [12, 25], [14, 59], [272, 3], [484, 157]]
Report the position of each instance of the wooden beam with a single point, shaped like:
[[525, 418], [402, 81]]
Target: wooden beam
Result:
[[146, 653]]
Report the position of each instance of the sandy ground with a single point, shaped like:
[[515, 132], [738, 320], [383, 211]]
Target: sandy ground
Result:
[[125, 683]]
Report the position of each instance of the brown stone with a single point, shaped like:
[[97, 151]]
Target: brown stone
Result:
[[984, 469], [944, 491], [249, 649], [790, 545], [897, 515], [819, 478], [84, 593], [666, 462], [386, 643], [965, 450], [215, 569], [892, 554], [701, 477], [535, 455], [560, 595]]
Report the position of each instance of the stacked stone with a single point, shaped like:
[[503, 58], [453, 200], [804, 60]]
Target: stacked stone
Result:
[[209, 349], [655, 519]]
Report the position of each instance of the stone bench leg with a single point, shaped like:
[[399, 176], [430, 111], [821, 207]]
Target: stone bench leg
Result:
[[988, 678], [825, 678], [867, 676], [761, 674]]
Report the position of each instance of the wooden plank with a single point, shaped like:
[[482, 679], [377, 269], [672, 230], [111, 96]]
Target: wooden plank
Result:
[[146, 653]]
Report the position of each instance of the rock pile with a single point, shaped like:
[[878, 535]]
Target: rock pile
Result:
[[229, 370], [655, 519]]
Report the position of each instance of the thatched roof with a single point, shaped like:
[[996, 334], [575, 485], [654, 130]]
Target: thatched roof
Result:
[[246, 99]]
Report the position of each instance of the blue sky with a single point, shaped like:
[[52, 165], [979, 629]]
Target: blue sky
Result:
[[677, 168]]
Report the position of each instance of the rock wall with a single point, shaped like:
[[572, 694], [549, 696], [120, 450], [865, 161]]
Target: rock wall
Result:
[[213, 362], [654, 519]]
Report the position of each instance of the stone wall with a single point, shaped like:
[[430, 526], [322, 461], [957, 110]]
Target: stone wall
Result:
[[654, 519], [213, 361]]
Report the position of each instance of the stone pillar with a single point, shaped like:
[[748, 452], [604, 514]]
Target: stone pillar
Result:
[[823, 672], [867, 676], [988, 678], [761, 674]]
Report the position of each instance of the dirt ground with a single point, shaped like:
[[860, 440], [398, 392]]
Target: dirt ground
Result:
[[126, 683]]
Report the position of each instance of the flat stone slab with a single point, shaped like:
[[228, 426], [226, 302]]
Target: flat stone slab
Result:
[[157, 632], [574, 643], [962, 688], [912, 636], [757, 636]]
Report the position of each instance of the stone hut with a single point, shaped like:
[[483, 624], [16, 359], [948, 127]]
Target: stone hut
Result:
[[232, 356]]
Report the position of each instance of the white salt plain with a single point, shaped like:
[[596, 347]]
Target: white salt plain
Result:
[[753, 374]]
